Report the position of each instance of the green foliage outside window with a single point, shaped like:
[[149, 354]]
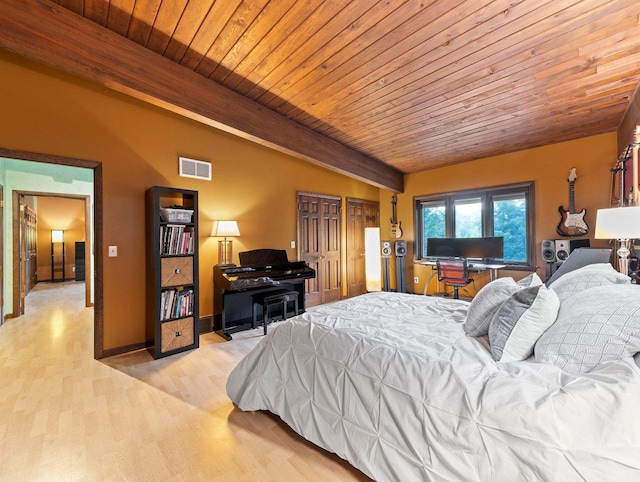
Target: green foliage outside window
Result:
[[510, 221], [502, 211]]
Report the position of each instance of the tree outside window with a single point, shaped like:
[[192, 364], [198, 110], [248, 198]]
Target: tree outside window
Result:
[[505, 211]]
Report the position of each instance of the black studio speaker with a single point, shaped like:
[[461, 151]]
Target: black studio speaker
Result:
[[401, 252], [385, 250], [578, 243], [549, 250]]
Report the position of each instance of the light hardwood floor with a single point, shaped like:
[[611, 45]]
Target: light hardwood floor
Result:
[[65, 416]]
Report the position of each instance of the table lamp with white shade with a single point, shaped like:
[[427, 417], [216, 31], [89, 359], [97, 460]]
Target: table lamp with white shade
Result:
[[223, 229], [622, 224]]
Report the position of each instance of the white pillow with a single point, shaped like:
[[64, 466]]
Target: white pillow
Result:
[[486, 302], [597, 325], [532, 280], [520, 321], [598, 274]]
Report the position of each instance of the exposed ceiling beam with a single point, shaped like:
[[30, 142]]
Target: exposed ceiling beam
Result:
[[42, 31], [629, 123]]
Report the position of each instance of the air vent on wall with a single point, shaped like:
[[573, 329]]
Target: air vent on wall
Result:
[[193, 168]]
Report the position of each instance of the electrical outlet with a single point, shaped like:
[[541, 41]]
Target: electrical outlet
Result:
[[416, 280]]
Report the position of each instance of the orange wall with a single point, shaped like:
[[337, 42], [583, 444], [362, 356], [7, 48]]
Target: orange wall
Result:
[[138, 146], [548, 166], [58, 213]]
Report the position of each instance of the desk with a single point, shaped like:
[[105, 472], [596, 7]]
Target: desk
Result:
[[493, 269], [473, 268]]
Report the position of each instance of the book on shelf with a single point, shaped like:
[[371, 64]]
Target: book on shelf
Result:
[[176, 239], [176, 303]]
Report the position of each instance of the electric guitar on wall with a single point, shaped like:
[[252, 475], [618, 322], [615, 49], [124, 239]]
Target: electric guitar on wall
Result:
[[572, 224], [396, 227]]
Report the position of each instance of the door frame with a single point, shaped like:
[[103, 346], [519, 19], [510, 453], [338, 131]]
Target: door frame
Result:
[[17, 241], [2, 255], [98, 203]]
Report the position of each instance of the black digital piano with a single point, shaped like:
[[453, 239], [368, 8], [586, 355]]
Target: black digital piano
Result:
[[260, 271]]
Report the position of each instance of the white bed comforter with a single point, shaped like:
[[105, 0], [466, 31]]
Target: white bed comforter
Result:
[[391, 383]]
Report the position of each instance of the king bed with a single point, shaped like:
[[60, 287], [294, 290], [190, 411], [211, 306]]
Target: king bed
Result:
[[525, 382]]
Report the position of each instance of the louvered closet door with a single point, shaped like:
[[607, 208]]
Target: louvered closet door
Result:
[[319, 228], [356, 282], [331, 253]]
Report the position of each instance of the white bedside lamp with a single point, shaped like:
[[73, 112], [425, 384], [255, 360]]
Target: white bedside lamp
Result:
[[622, 224]]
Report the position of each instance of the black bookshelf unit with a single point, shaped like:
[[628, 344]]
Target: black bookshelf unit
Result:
[[172, 270], [80, 260]]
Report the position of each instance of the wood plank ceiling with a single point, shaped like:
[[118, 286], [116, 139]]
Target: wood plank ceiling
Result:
[[414, 84]]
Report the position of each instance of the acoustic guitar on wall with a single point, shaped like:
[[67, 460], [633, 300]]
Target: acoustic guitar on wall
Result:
[[396, 226], [572, 224]]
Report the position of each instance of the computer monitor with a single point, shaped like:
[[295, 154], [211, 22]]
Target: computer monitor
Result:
[[472, 248]]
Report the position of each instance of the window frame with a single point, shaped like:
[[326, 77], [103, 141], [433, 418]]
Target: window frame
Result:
[[486, 195]]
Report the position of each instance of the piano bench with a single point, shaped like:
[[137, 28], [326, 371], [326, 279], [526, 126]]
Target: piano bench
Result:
[[271, 298]]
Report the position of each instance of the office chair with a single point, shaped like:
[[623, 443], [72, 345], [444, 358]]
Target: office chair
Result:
[[453, 272]]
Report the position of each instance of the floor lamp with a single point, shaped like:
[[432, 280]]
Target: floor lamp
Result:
[[622, 224], [372, 259], [57, 236]]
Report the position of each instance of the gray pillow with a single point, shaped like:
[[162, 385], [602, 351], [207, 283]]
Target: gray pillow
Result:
[[486, 302], [597, 325], [599, 274], [520, 321]]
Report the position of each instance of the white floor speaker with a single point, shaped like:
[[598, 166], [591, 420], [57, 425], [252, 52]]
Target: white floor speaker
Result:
[[562, 250]]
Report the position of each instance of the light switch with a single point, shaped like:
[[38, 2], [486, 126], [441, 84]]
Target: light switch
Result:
[[293, 244], [113, 251]]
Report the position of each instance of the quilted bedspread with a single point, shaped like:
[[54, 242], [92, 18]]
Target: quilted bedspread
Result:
[[391, 383]]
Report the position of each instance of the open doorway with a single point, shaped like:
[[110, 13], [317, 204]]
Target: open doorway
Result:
[[14, 171], [41, 217]]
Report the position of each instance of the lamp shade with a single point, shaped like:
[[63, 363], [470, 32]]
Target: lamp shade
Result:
[[618, 223], [57, 236], [225, 228]]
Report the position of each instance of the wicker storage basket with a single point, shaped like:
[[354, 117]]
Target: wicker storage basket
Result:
[[177, 334], [176, 271]]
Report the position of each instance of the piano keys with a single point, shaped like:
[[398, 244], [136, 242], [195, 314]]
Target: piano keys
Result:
[[234, 287]]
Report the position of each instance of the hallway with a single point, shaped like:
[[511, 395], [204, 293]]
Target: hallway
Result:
[[65, 416]]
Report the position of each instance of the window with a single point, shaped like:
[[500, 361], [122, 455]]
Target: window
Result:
[[468, 218], [506, 211], [433, 220]]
